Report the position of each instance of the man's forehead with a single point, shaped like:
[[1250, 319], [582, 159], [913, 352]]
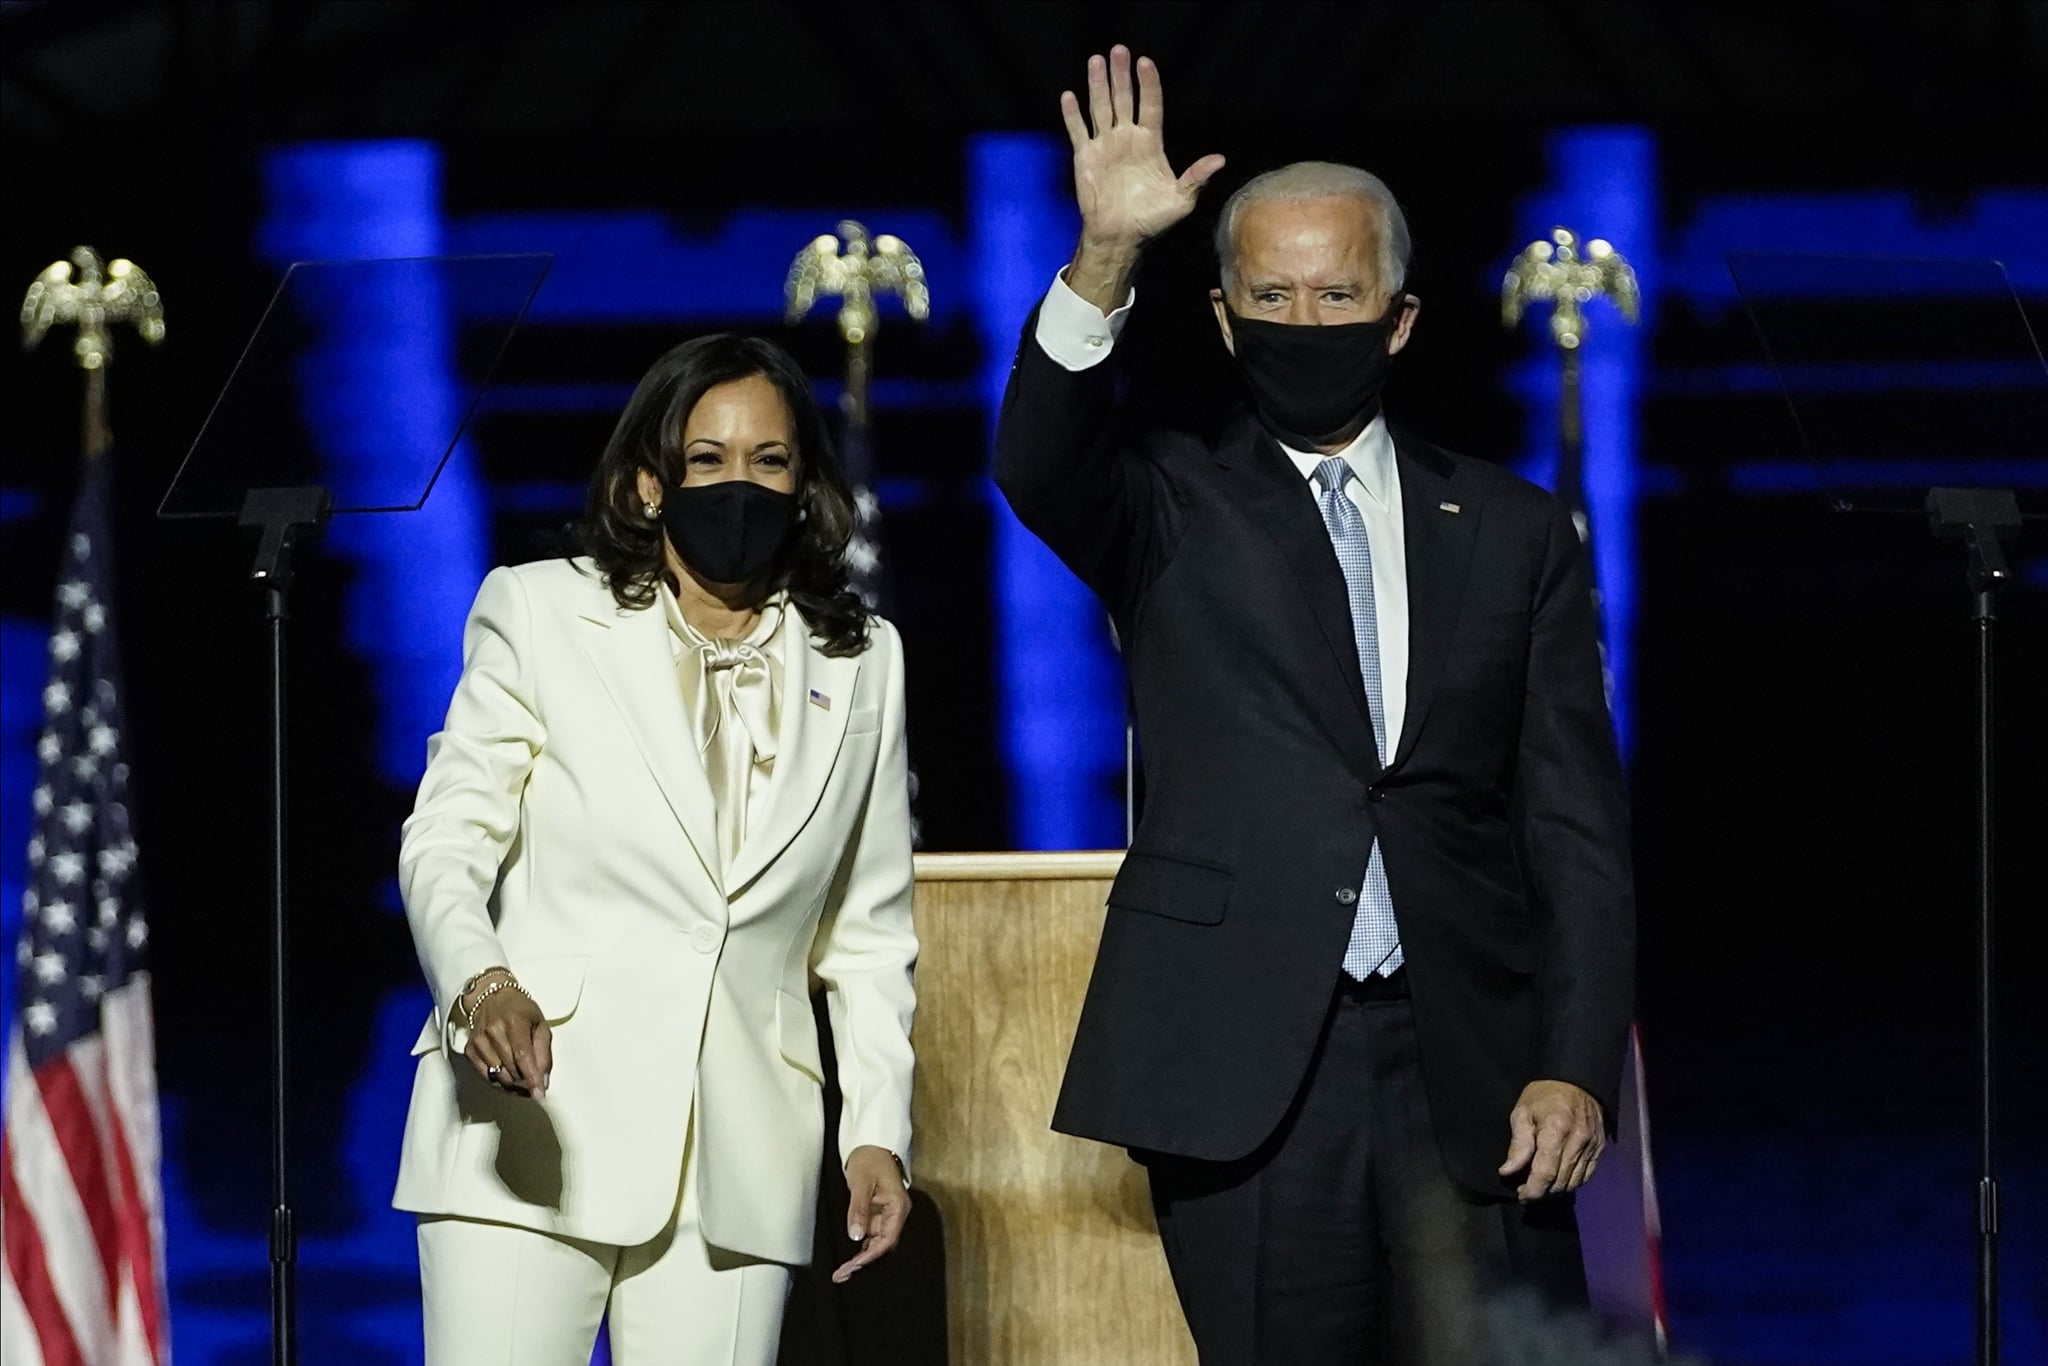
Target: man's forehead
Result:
[[1272, 228]]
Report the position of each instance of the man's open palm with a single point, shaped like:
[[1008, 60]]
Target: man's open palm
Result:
[[1126, 190]]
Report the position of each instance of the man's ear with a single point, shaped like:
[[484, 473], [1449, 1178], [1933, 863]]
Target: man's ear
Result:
[[1411, 309], [1222, 320]]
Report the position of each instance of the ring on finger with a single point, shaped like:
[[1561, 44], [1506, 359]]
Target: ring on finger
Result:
[[491, 1075]]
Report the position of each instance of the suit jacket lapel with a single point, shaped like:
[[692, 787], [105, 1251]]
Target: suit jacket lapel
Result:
[[807, 739], [1283, 505], [630, 651], [1440, 543]]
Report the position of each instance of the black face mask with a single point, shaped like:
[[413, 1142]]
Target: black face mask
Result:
[[1310, 382], [730, 531]]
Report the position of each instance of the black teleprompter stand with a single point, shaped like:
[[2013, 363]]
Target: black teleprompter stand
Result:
[[282, 517], [1982, 519]]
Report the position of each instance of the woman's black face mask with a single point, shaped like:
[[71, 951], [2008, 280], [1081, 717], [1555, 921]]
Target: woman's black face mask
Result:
[[1312, 382], [730, 531]]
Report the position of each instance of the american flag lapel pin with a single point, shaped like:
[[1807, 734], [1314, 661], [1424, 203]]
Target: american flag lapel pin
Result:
[[819, 699], [1448, 507]]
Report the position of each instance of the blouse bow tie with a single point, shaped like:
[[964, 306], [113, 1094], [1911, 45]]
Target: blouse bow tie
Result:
[[740, 686]]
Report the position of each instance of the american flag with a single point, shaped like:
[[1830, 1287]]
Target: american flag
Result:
[[81, 1206]]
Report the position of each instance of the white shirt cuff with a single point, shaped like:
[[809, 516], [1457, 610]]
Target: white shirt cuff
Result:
[[1073, 331]]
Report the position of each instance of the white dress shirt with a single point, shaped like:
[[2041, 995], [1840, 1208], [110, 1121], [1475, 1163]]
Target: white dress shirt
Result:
[[1076, 335]]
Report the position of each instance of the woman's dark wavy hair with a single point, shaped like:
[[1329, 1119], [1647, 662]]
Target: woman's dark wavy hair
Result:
[[628, 547]]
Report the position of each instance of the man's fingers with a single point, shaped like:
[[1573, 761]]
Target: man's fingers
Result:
[[1098, 96], [1070, 114], [1151, 111], [1120, 98], [1543, 1168], [1196, 176], [1521, 1141]]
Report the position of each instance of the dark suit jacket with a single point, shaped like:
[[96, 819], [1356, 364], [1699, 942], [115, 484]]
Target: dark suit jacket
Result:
[[1501, 815]]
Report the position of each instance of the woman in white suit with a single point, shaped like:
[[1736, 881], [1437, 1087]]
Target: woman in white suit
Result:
[[671, 788]]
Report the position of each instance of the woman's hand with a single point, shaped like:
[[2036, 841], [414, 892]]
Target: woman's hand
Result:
[[880, 1204], [509, 1042]]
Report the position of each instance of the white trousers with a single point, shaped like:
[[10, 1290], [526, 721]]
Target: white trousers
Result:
[[496, 1295]]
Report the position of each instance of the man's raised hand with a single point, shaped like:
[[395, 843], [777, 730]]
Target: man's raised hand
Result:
[[1125, 188]]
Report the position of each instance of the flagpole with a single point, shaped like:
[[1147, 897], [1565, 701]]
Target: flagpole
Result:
[[856, 273]]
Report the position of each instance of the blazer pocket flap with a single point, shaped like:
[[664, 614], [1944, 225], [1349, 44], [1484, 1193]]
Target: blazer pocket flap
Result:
[[1172, 887], [862, 720], [556, 984], [796, 1033]]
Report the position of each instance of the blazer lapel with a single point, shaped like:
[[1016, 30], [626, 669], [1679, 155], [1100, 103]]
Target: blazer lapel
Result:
[[1283, 506], [630, 651], [1440, 543], [817, 696]]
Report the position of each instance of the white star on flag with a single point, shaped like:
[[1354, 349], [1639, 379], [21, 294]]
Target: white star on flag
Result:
[[77, 818], [42, 800], [103, 739], [57, 917], [49, 967], [64, 645], [138, 933], [90, 986], [81, 546], [49, 749], [74, 595], [56, 700], [95, 617], [41, 1017], [85, 766], [67, 868], [110, 911]]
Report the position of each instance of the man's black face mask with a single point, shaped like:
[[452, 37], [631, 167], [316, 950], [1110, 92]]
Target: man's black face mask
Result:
[[1312, 382]]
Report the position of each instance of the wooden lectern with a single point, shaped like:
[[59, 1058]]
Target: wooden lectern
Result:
[[1052, 1258]]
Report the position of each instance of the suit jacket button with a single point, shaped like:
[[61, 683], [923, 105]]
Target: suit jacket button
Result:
[[1346, 895], [704, 939]]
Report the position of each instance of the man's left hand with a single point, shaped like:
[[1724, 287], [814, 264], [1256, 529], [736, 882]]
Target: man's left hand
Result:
[[1558, 1133]]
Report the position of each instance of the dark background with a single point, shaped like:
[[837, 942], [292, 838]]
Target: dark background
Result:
[[1802, 697]]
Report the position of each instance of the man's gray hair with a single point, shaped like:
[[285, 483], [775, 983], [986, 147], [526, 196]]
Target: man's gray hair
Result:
[[1320, 180]]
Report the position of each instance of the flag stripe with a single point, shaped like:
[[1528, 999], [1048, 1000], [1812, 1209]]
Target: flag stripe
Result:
[[28, 1272], [19, 1345], [138, 1256], [75, 1121], [131, 1081], [42, 1188]]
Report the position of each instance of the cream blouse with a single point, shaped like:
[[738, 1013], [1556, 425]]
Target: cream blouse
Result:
[[732, 693]]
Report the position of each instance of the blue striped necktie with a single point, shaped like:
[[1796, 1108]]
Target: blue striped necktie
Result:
[[1375, 945]]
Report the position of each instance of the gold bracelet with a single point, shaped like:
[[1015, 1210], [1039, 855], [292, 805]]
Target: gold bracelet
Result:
[[508, 980], [476, 977]]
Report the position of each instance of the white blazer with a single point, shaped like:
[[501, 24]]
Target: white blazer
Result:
[[565, 828]]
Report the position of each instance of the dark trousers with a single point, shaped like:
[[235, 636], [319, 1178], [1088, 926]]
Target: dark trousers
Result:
[[1342, 1241]]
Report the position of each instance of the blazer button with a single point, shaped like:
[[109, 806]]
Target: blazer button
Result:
[[704, 939], [1346, 895]]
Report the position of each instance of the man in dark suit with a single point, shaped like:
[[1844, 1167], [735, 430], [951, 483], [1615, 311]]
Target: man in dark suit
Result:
[[1364, 986]]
